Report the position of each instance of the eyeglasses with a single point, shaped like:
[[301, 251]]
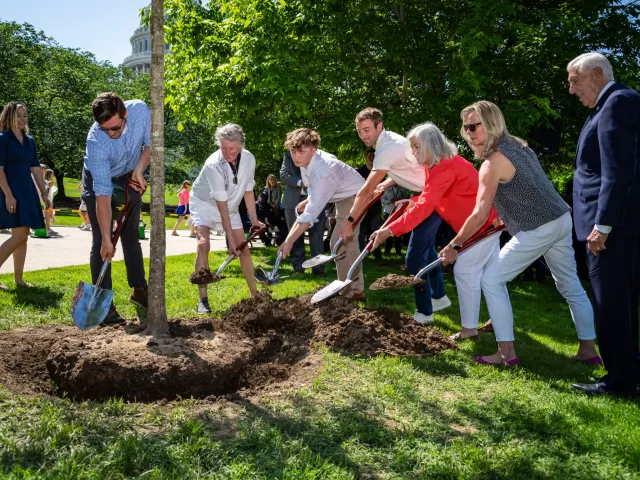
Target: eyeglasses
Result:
[[113, 129], [471, 127]]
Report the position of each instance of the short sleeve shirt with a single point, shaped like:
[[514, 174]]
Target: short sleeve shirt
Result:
[[392, 154]]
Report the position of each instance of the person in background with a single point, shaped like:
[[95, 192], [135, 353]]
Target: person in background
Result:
[[274, 192], [82, 212], [183, 207], [226, 179], [19, 200], [49, 215], [606, 202], [389, 199], [373, 218], [295, 192]]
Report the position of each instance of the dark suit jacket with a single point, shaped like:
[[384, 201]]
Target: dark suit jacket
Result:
[[290, 175], [606, 185]]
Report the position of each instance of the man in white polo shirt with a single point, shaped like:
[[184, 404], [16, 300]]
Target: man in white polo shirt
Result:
[[393, 157], [329, 181]]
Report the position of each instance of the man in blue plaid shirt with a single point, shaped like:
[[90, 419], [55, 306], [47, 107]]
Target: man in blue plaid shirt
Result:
[[118, 148]]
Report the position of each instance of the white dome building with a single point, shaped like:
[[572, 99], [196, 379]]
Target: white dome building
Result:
[[140, 58]]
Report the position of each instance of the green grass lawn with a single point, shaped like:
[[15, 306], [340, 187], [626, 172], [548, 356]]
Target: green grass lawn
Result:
[[71, 219], [170, 193], [381, 418]]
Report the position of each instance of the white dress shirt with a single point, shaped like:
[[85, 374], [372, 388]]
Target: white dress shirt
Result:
[[329, 180], [215, 181], [392, 154]]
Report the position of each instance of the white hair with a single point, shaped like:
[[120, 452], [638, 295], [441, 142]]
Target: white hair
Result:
[[590, 61], [230, 132], [433, 146]]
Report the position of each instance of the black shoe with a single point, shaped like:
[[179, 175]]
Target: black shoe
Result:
[[299, 270], [140, 297], [601, 388], [113, 317], [203, 306]]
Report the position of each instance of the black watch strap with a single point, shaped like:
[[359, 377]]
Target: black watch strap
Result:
[[455, 246], [350, 219]]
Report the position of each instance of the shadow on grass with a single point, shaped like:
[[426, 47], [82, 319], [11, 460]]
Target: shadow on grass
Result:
[[41, 298]]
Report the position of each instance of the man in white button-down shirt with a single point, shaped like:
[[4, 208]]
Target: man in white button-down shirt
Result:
[[329, 181]]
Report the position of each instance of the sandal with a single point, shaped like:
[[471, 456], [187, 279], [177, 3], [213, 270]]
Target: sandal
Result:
[[510, 363], [457, 337], [487, 327], [3, 286], [24, 284]]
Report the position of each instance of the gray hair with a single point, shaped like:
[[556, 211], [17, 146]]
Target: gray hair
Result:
[[230, 132], [590, 61], [433, 146]]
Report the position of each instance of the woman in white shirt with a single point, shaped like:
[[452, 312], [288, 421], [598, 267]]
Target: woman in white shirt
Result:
[[328, 180], [225, 179]]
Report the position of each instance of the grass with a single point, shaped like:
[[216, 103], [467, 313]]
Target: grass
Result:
[[382, 418], [71, 219], [170, 193]]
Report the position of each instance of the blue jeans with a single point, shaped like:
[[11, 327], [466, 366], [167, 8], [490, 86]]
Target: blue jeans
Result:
[[420, 253]]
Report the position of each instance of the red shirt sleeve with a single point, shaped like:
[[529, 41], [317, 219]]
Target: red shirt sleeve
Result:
[[439, 180]]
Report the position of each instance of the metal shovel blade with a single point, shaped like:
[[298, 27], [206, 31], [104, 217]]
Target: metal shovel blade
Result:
[[90, 305], [330, 290], [318, 260]]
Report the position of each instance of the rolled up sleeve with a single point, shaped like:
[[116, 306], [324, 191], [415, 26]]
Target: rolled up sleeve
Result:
[[252, 177], [319, 196], [97, 162], [217, 189]]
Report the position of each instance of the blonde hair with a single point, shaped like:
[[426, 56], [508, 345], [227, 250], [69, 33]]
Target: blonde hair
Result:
[[275, 180], [9, 117], [494, 126], [433, 145]]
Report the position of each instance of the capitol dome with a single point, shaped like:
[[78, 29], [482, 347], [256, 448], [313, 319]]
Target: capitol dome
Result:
[[140, 58]]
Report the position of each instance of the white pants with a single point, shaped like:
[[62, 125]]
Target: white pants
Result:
[[469, 270], [553, 241]]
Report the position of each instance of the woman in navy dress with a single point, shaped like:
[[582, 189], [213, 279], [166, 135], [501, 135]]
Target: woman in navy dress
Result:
[[19, 200]]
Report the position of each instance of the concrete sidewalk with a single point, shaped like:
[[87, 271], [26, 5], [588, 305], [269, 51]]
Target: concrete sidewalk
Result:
[[72, 247]]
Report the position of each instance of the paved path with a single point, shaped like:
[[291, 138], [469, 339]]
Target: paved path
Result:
[[72, 247]]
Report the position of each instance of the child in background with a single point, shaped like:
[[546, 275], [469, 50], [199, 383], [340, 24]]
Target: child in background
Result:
[[183, 207]]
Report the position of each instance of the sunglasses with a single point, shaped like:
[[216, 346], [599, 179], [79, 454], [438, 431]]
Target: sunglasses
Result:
[[113, 129], [471, 127]]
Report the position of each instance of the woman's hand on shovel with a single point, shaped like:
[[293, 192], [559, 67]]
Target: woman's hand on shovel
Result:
[[379, 237], [107, 251]]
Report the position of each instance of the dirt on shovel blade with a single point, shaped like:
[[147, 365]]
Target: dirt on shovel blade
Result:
[[393, 280], [259, 344], [204, 276]]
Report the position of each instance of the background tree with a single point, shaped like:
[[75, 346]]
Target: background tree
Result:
[[157, 313]]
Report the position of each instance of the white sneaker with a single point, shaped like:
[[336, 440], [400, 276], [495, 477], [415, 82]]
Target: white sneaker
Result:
[[422, 318], [87, 227], [440, 303]]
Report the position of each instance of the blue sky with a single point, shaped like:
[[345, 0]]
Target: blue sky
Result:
[[102, 27]]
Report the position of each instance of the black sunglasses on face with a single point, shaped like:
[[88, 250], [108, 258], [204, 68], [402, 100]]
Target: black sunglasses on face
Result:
[[471, 127], [113, 129]]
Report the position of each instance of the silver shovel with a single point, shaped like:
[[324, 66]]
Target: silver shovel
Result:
[[337, 286], [322, 259], [253, 233], [272, 277], [90, 304]]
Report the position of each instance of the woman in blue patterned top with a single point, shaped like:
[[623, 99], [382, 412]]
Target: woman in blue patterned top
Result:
[[19, 200]]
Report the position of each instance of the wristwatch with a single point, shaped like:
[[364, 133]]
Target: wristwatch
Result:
[[455, 246], [350, 219]]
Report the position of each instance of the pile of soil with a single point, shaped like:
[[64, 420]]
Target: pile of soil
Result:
[[259, 344], [204, 276], [392, 281]]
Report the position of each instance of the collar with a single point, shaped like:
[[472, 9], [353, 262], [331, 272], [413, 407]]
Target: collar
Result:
[[383, 134], [601, 94]]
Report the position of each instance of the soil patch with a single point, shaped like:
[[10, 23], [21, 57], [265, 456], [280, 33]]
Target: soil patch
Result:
[[260, 344], [393, 281], [204, 276]]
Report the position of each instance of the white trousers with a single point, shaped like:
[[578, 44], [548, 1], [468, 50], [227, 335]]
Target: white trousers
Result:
[[470, 268], [553, 241]]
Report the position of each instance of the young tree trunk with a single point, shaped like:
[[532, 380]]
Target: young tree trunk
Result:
[[62, 194], [157, 314]]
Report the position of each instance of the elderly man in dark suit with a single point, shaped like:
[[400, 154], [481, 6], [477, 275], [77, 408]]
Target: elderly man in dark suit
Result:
[[294, 193], [606, 202]]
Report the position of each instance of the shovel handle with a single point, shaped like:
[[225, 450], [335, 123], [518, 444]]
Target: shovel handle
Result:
[[398, 209], [376, 198], [129, 203], [253, 233], [468, 244]]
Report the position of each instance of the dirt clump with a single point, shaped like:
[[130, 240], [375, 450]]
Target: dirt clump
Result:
[[204, 276], [260, 344], [393, 280]]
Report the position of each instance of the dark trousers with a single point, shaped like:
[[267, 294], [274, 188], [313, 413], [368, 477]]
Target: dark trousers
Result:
[[129, 241], [420, 253], [615, 280], [370, 223], [316, 234], [393, 241]]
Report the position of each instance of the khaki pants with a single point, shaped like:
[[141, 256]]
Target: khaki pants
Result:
[[352, 249]]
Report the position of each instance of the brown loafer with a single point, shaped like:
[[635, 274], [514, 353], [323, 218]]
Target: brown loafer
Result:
[[113, 317], [140, 297]]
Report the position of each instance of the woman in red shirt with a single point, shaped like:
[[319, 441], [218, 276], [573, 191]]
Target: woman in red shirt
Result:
[[451, 188]]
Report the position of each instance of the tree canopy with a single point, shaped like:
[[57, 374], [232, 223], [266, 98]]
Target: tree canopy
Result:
[[275, 65]]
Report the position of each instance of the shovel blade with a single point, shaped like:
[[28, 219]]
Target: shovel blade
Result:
[[318, 260], [330, 290], [89, 306], [261, 276]]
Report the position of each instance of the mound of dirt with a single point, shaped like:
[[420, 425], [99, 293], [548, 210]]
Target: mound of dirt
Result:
[[392, 281], [204, 276], [258, 344]]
